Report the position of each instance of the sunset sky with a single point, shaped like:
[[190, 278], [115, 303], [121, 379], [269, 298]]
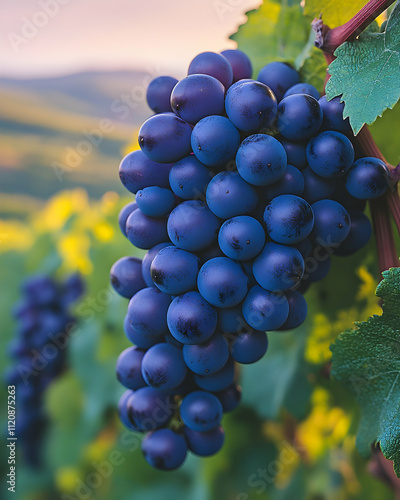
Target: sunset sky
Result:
[[80, 35]]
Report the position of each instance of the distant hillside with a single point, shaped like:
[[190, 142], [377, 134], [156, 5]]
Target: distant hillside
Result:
[[44, 123]]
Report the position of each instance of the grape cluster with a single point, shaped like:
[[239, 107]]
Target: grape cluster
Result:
[[39, 350], [244, 189]]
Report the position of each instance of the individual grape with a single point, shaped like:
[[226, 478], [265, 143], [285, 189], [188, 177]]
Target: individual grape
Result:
[[297, 310], [251, 106], [165, 138], [249, 347], [241, 238], [264, 310], [299, 117], [215, 140], [333, 115], [217, 381], [330, 154], [342, 196], [145, 232], [192, 226], [174, 271], [129, 368], [213, 64], [140, 339], [154, 201], [149, 409], [303, 88], [163, 366], [279, 77], [230, 397], [359, 234], [198, 96], [164, 449], [189, 178], [201, 411], [205, 444], [240, 63], [278, 267], [331, 223], [208, 357], [229, 195], [148, 259], [159, 93], [292, 182], [296, 153], [222, 282], [126, 276], [123, 410], [316, 187], [368, 178], [191, 319], [289, 219], [124, 214], [136, 171], [261, 160], [147, 311]]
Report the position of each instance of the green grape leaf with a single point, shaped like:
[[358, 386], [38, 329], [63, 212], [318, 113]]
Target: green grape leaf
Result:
[[277, 31], [333, 12], [367, 360], [366, 72]]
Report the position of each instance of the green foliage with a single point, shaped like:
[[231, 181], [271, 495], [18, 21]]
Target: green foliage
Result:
[[269, 34], [285, 373], [366, 72], [367, 361], [333, 12]]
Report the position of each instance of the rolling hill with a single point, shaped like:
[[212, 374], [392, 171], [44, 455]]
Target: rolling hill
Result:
[[63, 132]]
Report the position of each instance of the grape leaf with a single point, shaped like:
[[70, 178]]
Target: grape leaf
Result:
[[367, 360], [334, 12], [366, 72], [277, 31]]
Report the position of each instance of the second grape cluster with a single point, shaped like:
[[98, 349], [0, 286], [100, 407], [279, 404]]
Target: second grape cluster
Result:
[[244, 190]]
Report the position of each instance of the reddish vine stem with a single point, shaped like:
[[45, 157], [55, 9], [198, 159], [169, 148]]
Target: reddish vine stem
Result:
[[387, 254], [394, 205], [329, 39]]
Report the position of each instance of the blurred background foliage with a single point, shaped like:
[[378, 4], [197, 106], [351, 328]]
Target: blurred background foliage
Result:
[[293, 437]]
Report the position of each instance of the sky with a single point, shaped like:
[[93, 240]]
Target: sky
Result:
[[52, 37]]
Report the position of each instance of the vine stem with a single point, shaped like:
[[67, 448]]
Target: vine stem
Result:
[[329, 39]]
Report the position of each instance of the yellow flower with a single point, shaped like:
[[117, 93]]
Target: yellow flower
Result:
[[74, 250], [59, 209], [66, 479], [325, 428], [15, 235]]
